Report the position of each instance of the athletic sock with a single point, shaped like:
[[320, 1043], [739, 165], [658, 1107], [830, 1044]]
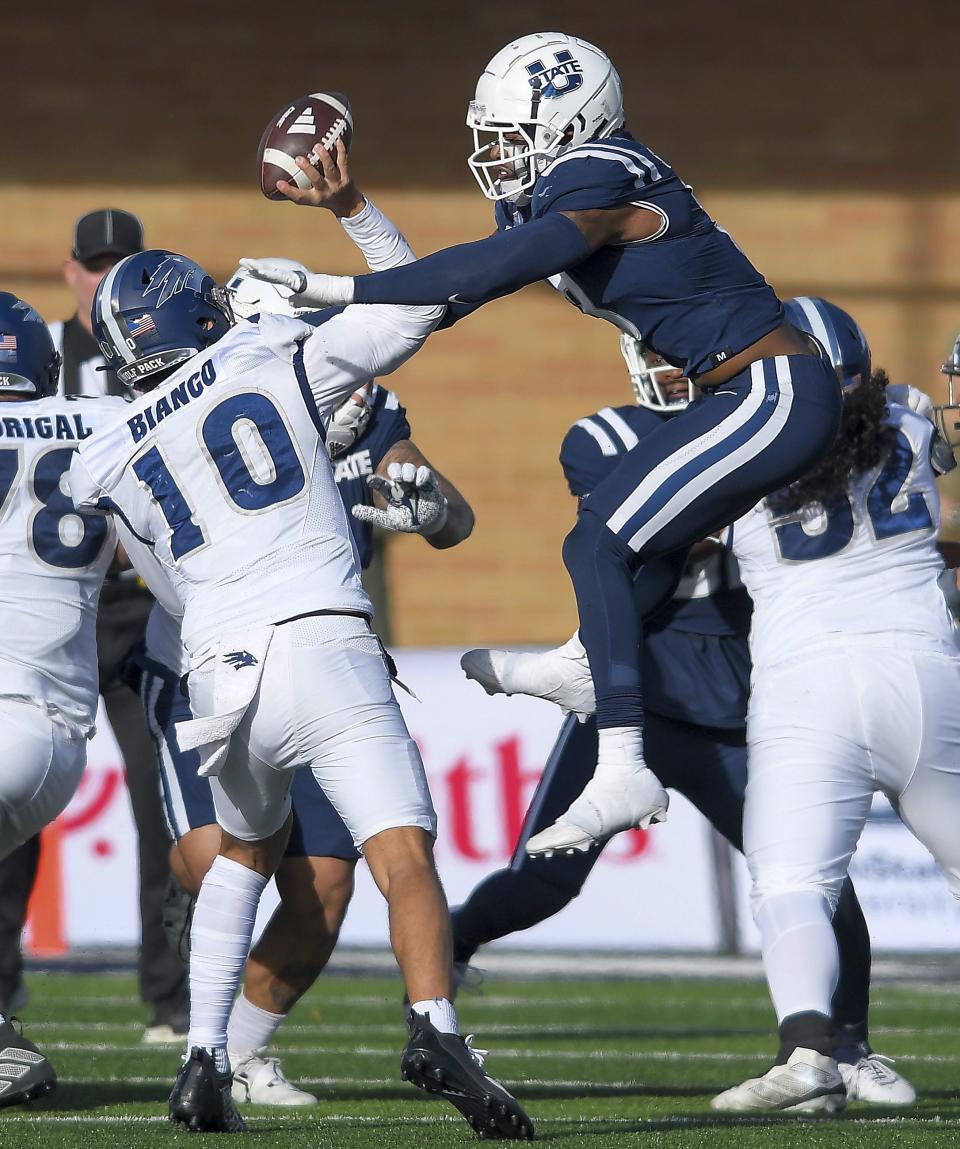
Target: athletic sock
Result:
[[251, 1028], [619, 747], [222, 930], [439, 1012], [810, 1030]]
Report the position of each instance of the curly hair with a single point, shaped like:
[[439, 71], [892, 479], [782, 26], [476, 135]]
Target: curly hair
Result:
[[862, 443]]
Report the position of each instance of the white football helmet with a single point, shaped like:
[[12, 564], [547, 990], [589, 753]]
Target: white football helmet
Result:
[[646, 370], [249, 296], [537, 97]]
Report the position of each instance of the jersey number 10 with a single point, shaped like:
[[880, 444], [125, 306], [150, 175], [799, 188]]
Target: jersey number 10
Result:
[[248, 492]]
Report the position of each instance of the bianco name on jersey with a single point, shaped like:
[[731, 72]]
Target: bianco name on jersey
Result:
[[863, 570]]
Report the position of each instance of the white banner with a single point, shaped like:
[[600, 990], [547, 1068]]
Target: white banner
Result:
[[483, 757]]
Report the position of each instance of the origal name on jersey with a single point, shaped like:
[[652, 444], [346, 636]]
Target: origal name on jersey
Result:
[[43, 427]]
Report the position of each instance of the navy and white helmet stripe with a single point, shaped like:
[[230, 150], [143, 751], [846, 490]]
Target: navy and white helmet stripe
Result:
[[106, 306], [838, 333]]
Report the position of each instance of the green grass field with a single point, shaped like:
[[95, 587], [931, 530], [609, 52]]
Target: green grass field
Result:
[[596, 1063]]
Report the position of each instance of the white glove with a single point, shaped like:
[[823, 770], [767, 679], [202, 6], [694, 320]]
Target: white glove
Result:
[[416, 503], [310, 290], [349, 421]]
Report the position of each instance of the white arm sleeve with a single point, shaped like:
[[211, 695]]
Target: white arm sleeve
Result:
[[366, 340], [378, 238], [362, 342]]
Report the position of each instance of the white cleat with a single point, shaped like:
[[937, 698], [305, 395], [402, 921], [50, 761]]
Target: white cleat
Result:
[[561, 675], [871, 1079], [259, 1080], [808, 1083], [616, 798]]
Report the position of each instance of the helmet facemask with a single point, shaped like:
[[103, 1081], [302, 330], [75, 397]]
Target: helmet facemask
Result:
[[947, 415], [526, 149], [648, 388]]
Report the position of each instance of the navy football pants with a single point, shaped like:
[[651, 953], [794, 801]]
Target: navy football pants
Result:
[[688, 479]]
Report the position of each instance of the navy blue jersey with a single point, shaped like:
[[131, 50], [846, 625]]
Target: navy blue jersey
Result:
[[688, 291], [388, 425], [696, 659]]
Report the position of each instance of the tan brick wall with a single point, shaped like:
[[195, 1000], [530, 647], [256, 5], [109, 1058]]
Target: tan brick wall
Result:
[[490, 400], [823, 136]]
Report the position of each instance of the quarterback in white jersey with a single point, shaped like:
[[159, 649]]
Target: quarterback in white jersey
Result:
[[856, 673], [221, 468]]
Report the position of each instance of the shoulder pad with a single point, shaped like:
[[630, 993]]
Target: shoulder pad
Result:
[[601, 174]]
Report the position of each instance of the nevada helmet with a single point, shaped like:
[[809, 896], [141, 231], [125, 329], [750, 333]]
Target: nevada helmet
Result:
[[538, 97], [155, 310], [837, 332], [29, 360], [250, 296]]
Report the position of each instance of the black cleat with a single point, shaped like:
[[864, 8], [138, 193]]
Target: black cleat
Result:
[[25, 1073], [201, 1099], [445, 1064]]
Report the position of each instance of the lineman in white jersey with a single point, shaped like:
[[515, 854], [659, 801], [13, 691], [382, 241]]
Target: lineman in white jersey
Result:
[[52, 565], [856, 673], [221, 468]]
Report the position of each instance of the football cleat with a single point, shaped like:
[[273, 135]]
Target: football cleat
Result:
[[260, 1081], [25, 1073], [448, 1065], [808, 1083], [561, 675], [871, 1079], [616, 798], [201, 1099]]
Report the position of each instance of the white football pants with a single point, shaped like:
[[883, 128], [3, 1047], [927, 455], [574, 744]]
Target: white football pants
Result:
[[325, 701], [42, 763], [824, 732]]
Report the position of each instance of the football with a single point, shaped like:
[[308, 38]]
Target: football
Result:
[[303, 125]]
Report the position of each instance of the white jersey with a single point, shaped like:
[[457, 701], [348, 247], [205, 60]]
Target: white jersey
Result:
[[52, 559], [222, 469], [864, 571], [164, 643]]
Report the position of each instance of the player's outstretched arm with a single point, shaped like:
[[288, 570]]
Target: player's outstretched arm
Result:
[[412, 496], [468, 273], [488, 268]]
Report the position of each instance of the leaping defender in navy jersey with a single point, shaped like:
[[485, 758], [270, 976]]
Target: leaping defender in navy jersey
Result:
[[580, 199]]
